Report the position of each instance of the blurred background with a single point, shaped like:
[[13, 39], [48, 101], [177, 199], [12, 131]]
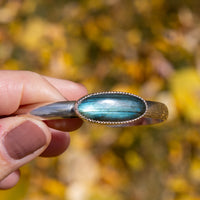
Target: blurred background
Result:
[[149, 48]]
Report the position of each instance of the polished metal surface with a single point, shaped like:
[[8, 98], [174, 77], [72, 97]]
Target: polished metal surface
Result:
[[58, 110], [109, 108]]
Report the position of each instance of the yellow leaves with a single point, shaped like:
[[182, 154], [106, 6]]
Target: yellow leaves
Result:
[[162, 45], [126, 88], [189, 197], [54, 187], [34, 30], [126, 139], [193, 137], [142, 6], [134, 160], [45, 55], [106, 43], [179, 185], [111, 170], [29, 6], [132, 68], [134, 36], [111, 176], [59, 63], [145, 6], [195, 169], [158, 3], [94, 4], [9, 11], [136, 46], [104, 22], [110, 159], [175, 152], [46, 187], [185, 87], [91, 30], [38, 33], [12, 64]]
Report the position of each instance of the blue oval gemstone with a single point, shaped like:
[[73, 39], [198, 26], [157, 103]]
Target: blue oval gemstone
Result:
[[111, 107]]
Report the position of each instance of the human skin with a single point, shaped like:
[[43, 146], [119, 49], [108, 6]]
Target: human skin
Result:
[[40, 138]]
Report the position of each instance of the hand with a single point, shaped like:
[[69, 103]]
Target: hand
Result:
[[23, 138]]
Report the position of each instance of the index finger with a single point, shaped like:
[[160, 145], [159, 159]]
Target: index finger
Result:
[[70, 90], [22, 88]]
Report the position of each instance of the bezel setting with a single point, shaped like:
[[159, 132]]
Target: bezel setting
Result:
[[109, 122]]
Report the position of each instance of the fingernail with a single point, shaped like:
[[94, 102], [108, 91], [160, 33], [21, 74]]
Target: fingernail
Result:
[[24, 140]]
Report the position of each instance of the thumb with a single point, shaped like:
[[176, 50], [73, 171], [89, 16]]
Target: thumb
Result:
[[21, 140]]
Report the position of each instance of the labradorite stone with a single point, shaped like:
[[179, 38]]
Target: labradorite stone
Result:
[[113, 107]]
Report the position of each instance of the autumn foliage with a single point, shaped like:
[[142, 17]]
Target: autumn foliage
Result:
[[149, 48]]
